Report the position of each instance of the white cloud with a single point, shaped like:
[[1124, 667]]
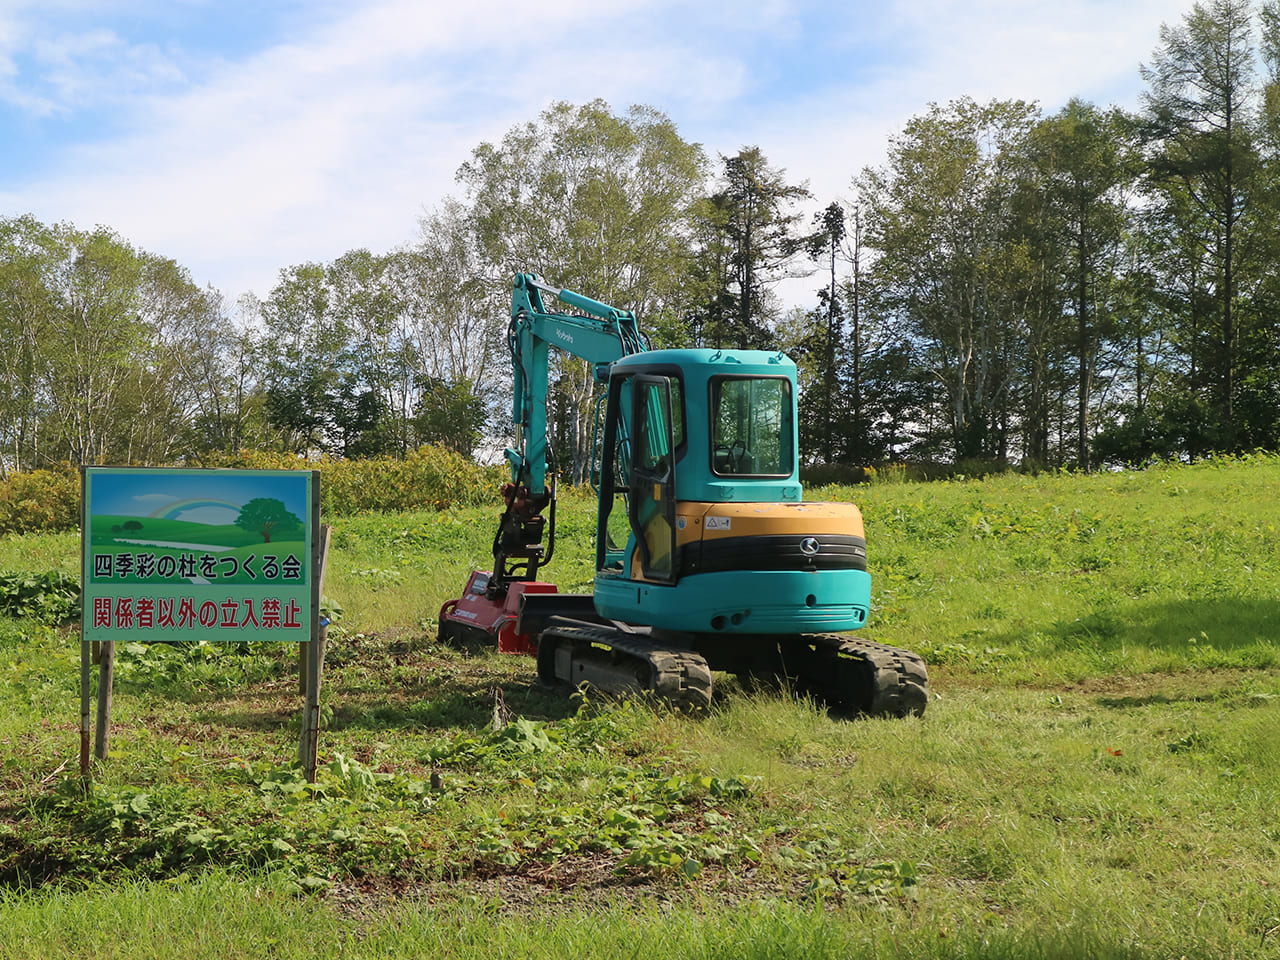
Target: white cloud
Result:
[[64, 71], [986, 49], [337, 138], [209, 515], [150, 498]]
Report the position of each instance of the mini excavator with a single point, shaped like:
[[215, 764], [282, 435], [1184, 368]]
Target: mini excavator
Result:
[[707, 556]]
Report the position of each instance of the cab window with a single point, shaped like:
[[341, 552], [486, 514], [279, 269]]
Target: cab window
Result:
[[751, 426]]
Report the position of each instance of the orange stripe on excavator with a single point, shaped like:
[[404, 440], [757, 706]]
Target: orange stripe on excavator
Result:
[[715, 521]]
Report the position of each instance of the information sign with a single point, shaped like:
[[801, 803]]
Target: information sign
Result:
[[174, 554]]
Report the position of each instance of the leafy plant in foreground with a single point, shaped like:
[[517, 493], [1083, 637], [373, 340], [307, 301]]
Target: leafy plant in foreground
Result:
[[51, 598]]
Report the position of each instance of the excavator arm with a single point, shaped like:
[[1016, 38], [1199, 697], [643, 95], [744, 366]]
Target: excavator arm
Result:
[[598, 334]]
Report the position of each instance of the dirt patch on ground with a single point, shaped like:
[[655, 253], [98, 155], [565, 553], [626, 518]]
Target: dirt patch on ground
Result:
[[568, 885], [1201, 685]]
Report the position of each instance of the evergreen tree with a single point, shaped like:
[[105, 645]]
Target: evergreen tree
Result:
[[748, 228], [1202, 127], [824, 245]]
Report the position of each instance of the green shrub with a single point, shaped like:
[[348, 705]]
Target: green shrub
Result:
[[429, 477], [262, 460], [836, 474], [40, 500]]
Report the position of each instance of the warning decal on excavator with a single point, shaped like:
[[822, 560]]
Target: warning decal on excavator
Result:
[[719, 523]]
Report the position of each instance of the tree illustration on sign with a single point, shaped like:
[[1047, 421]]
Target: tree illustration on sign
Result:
[[266, 516]]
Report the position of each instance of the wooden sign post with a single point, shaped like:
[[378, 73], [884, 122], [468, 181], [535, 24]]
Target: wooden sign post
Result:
[[309, 738]]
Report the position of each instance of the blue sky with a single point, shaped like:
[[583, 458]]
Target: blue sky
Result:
[[240, 138]]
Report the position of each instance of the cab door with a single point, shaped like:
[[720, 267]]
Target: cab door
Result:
[[652, 501]]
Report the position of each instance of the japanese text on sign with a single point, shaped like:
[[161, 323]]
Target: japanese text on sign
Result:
[[179, 613], [189, 566], [174, 554]]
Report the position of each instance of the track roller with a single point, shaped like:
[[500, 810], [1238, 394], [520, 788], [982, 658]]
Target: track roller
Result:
[[618, 661]]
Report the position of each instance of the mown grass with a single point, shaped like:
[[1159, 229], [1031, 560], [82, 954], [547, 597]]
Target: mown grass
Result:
[[1096, 776], [223, 917], [1057, 579]]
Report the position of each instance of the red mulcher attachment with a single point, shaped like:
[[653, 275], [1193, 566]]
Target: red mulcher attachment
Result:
[[487, 610], [477, 617]]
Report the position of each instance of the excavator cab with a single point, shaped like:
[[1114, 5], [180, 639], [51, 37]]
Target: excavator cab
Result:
[[652, 488], [699, 456]]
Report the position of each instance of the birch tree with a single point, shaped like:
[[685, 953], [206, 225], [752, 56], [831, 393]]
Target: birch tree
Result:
[[594, 201], [938, 214]]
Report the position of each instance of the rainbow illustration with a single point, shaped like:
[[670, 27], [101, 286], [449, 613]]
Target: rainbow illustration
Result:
[[170, 511]]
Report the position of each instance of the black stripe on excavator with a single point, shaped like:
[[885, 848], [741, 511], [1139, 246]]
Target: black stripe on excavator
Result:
[[774, 552]]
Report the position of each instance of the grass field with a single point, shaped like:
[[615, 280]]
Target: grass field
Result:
[[1098, 774]]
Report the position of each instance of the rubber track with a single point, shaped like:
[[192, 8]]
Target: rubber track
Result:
[[861, 676], [679, 677]]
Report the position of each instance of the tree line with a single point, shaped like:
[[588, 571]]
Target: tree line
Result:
[[1089, 286]]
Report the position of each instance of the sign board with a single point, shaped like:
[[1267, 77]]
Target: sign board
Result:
[[174, 554]]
